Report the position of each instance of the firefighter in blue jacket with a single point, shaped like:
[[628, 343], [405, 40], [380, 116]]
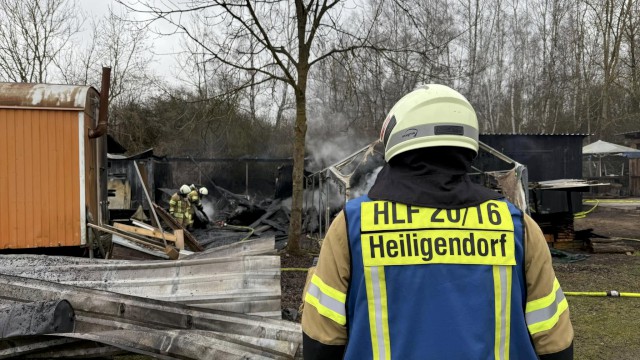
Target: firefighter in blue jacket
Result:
[[430, 265]]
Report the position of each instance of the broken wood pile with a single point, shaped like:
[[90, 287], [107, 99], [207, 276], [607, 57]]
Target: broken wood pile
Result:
[[559, 231], [221, 236], [273, 219], [561, 235], [610, 246], [137, 240], [201, 306]]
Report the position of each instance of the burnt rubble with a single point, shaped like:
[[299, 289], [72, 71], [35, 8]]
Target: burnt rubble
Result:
[[223, 302]]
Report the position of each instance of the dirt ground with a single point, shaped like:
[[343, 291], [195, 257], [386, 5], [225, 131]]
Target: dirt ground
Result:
[[612, 223], [605, 327], [292, 281]]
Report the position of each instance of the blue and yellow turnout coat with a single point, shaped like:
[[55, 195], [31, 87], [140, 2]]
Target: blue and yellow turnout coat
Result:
[[396, 281]]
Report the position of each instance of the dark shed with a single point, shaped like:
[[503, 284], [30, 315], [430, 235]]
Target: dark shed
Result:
[[547, 157]]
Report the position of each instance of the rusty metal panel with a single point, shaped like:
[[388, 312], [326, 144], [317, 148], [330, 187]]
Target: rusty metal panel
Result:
[[63, 97], [39, 178]]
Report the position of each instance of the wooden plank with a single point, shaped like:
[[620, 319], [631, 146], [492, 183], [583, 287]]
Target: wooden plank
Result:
[[141, 224], [188, 237], [123, 252], [603, 248], [170, 251], [179, 234], [114, 231], [144, 232]]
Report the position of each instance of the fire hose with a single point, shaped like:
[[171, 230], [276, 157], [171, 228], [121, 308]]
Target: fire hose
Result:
[[237, 227], [610, 293], [583, 214], [295, 269]]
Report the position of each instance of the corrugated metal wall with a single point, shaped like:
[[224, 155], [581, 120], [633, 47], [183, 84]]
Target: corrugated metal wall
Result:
[[39, 178]]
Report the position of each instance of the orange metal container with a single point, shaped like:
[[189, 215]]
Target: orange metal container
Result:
[[48, 164]]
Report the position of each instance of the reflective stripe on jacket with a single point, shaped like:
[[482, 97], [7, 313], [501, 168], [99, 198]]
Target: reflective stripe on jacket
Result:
[[194, 199], [179, 206], [436, 284]]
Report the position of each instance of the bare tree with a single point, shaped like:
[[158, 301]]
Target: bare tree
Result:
[[630, 58], [610, 19], [119, 43], [33, 34], [276, 40]]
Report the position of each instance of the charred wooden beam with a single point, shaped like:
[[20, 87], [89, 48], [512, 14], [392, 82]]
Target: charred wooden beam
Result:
[[190, 241]]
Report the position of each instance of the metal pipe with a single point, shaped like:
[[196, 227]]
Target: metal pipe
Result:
[[320, 205], [327, 211], [103, 115], [246, 177]]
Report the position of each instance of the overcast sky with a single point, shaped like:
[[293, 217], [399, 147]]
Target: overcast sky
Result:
[[164, 47]]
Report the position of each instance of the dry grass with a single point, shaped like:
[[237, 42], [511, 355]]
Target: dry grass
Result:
[[605, 327]]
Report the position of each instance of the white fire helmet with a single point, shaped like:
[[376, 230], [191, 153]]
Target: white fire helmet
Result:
[[185, 189], [431, 115]]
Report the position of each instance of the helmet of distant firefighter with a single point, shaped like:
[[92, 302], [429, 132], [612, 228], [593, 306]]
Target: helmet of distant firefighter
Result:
[[203, 191], [185, 189], [431, 115]]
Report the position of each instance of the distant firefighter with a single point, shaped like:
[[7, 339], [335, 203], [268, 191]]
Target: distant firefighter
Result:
[[179, 206], [195, 199]]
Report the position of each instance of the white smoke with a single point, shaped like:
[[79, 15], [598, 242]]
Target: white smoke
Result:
[[208, 209], [364, 186], [331, 195], [325, 152], [286, 203]]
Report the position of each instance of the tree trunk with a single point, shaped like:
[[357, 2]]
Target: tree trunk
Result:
[[300, 132]]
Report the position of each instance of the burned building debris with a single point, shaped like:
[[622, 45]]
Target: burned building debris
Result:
[[196, 303], [150, 286], [145, 284]]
